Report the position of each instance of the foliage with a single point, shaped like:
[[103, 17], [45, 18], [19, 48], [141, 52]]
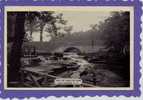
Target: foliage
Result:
[[18, 33], [36, 21], [114, 32]]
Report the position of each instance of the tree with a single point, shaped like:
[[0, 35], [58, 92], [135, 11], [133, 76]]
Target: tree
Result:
[[13, 70], [15, 54], [30, 25], [114, 32], [49, 19], [115, 35]]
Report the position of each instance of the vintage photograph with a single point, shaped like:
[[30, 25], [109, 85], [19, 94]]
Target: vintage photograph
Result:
[[68, 49]]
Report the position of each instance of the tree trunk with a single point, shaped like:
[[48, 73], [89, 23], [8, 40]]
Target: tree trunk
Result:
[[41, 34], [15, 64], [41, 31], [31, 30]]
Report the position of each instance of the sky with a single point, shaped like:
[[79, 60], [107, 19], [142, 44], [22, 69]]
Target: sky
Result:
[[80, 20]]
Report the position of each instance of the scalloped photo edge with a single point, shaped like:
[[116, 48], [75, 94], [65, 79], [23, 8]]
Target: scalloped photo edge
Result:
[[134, 7]]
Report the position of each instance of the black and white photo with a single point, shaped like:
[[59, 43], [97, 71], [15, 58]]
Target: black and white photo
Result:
[[68, 49]]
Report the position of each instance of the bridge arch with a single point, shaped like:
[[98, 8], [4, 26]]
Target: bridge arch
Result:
[[72, 49]]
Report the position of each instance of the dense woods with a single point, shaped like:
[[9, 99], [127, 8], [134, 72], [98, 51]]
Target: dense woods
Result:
[[114, 33], [17, 34]]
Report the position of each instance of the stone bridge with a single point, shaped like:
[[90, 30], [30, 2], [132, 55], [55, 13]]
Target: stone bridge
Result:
[[61, 46], [82, 49]]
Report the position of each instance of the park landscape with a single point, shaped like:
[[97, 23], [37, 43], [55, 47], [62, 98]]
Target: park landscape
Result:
[[46, 45]]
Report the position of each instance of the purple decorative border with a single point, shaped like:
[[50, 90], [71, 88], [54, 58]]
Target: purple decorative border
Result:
[[39, 93]]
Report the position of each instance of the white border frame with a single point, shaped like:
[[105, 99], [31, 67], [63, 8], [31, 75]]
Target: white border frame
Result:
[[72, 8]]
